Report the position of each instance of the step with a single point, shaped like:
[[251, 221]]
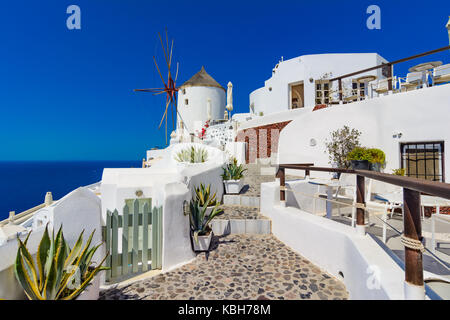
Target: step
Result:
[[241, 226], [240, 200]]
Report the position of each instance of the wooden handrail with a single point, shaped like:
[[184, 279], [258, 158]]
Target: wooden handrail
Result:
[[391, 63], [435, 188]]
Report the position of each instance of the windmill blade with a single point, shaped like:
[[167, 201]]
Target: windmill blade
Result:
[[154, 60], [164, 50], [149, 90], [165, 113], [170, 57]]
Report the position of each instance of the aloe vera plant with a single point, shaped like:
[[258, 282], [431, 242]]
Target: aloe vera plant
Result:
[[57, 267], [203, 195], [192, 155], [198, 220], [233, 171]]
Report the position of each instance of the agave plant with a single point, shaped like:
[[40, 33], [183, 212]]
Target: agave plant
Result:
[[203, 195], [58, 268], [192, 155], [233, 171], [198, 220]]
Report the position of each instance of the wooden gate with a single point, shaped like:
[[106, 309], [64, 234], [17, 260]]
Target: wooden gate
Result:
[[133, 239]]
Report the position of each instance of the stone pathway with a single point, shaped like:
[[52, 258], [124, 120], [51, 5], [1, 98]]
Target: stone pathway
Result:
[[238, 267], [239, 212]]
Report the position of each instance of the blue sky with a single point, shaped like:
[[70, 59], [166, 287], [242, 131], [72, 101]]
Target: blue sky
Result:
[[67, 94]]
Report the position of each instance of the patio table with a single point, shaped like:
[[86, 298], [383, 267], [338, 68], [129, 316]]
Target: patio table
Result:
[[424, 67], [365, 79]]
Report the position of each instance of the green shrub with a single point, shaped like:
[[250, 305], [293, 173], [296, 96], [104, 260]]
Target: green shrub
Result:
[[342, 142], [399, 172], [377, 156], [359, 153]]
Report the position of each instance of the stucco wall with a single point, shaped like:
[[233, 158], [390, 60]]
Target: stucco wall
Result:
[[274, 96], [195, 113]]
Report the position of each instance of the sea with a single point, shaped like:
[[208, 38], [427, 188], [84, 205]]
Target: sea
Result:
[[23, 185]]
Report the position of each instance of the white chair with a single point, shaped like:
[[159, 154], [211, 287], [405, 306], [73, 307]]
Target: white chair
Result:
[[414, 80], [374, 201], [382, 85], [441, 74], [346, 190]]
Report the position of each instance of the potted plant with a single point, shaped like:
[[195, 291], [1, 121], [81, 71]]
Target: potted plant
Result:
[[60, 272], [359, 158], [399, 172], [377, 159], [203, 195], [232, 177], [341, 143], [201, 232], [192, 155]]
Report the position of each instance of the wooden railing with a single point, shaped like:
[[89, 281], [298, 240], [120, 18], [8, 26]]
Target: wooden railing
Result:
[[388, 68], [412, 188]]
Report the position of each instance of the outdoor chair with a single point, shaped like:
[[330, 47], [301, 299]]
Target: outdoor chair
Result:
[[441, 74], [382, 85], [414, 80]]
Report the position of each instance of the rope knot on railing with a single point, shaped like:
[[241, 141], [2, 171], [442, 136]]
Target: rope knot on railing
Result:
[[412, 243]]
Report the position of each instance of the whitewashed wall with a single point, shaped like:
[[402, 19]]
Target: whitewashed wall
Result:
[[195, 113], [302, 69], [78, 210], [420, 115]]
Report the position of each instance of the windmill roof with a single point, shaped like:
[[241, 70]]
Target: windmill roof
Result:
[[201, 79]]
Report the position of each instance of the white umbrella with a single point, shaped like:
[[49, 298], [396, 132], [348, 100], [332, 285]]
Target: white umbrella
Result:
[[208, 108], [230, 97], [448, 28]]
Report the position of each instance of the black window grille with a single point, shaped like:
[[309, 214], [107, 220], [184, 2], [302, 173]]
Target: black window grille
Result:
[[423, 160]]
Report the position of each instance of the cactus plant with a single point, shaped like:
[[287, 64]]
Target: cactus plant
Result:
[[57, 267]]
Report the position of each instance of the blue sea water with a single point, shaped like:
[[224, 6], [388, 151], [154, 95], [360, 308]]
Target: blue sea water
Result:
[[23, 184]]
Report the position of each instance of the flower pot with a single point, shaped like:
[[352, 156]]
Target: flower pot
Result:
[[203, 242], [209, 210], [375, 167], [360, 164], [233, 186]]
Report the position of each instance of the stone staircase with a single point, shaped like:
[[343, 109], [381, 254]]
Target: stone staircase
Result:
[[241, 211]]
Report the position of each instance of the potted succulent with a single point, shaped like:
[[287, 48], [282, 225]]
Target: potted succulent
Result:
[[201, 232], [60, 272], [359, 158], [232, 177], [203, 195], [377, 159], [192, 155]]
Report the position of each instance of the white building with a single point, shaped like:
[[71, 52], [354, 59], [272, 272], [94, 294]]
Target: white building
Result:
[[201, 98], [294, 82]]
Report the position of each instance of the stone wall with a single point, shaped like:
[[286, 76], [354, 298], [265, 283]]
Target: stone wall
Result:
[[262, 141]]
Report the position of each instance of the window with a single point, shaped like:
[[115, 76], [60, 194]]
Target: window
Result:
[[423, 160], [186, 101], [358, 87], [322, 92]]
